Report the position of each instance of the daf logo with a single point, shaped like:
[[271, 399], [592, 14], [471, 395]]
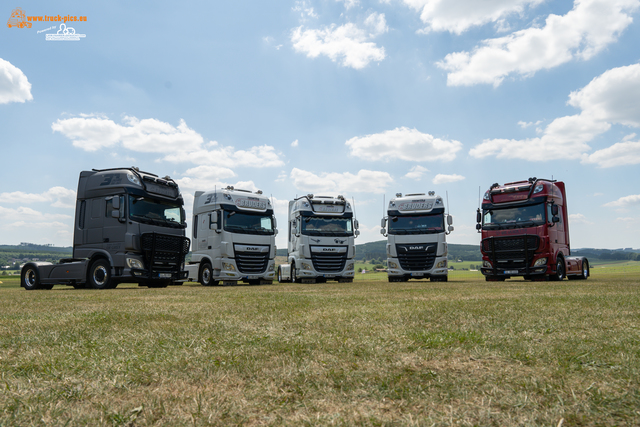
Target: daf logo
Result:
[[328, 250], [249, 248], [416, 248]]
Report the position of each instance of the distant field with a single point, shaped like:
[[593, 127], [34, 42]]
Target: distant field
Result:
[[466, 352]]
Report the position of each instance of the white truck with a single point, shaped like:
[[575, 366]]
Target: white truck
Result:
[[321, 242], [233, 238], [416, 237]]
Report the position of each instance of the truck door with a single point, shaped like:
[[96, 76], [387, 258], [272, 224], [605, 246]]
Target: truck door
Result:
[[113, 230], [94, 216]]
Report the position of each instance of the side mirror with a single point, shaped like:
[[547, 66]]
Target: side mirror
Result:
[[275, 232], [478, 217], [478, 227], [555, 219], [449, 220], [116, 202], [383, 222], [115, 214], [450, 228], [214, 221], [554, 210], [356, 224], [383, 231], [357, 233], [275, 222]]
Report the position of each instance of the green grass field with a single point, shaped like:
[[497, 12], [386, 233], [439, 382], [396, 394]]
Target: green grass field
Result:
[[465, 352]]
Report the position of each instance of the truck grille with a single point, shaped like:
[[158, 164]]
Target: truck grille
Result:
[[329, 262], [511, 252], [164, 248], [417, 257], [252, 262]]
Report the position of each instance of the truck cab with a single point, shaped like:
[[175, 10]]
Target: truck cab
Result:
[[234, 234], [525, 232], [321, 245], [129, 227], [416, 237]]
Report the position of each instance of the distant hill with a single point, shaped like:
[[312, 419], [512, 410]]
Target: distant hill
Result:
[[378, 251], [32, 247]]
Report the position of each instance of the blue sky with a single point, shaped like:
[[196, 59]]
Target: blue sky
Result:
[[353, 97]]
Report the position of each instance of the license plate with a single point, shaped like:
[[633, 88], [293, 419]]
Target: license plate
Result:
[[511, 272], [417, 274], [164, 275], [252, 277], [329, 275]]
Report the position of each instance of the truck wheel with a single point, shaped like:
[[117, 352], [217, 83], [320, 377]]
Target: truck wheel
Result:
[[280, 279], [559, 270], [585, 270], [100, 275], [206, 274], [294, 278], [30, 278]]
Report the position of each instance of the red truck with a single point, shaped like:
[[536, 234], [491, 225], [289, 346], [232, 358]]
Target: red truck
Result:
[[525, 232]]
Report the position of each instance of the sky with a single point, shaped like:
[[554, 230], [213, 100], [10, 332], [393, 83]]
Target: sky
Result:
[[360, 98]]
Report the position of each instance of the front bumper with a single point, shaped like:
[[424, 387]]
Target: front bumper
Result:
[[499, 272]]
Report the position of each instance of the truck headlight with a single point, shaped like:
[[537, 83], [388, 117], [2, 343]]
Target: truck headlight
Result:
[[441, 264], [540, 261], [271, 267], [306, 266], [486, 264], [350, 266], [134, 263], [228, 267], [393, 264]]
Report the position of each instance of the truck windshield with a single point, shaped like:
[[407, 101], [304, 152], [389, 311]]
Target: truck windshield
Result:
[[525, 216], [247, 223], [416, 224], [157, 212], [326, 226]]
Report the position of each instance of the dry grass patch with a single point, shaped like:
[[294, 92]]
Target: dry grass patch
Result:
[[367, 353]]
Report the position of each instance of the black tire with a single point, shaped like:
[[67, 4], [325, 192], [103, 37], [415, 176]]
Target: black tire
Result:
[[30, 278], [206, 275], [99, 275], [560, 270], [494, 279], [585, 270], [294, 278], [280, 275], [79, 286]]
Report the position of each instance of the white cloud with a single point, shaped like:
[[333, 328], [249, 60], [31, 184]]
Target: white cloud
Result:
[[348, 4], [14, 85], [365, 181], [304, 9], [457, 16], [416, 172], [579, 218], [294, 143], [583, 32], [347, 44], [59, 197], [204, 178], [621, 153], [175, 144], [444, 179], [404, 144], [608, 99], [624, 202], [525, 125]]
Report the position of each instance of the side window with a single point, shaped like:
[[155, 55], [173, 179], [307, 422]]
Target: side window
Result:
[[81, 214], [195, 226]]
